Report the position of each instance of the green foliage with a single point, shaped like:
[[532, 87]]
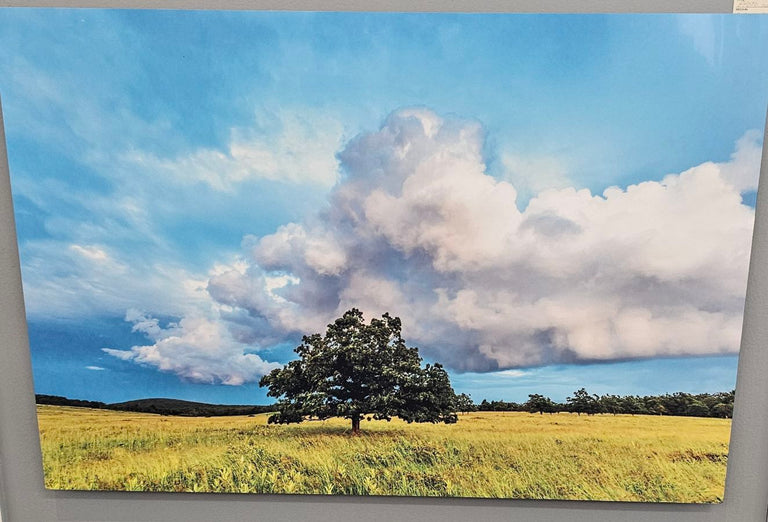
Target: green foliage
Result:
[[500, 406], [540, 404], [697, 409], [632, 405], [610, 404], [656, 406], [678, 404], [57, 400], [464, 403], [358, 369], [722, 410], [583, 402]]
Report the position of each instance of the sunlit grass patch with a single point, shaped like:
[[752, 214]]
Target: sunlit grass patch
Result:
[[485, 454]]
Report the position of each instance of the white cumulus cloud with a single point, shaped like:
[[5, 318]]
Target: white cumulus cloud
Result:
[[196, 348], [418, 228]]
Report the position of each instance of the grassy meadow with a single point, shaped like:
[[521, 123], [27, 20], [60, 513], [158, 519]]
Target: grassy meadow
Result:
[[486, 454]]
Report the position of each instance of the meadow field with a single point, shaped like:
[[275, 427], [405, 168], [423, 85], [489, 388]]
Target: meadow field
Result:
[[485, 454]]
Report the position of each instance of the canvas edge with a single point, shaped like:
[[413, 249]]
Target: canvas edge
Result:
[[748, 448]]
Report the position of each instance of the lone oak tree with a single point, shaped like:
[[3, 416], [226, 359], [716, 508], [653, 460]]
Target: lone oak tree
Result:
[[360, 369]]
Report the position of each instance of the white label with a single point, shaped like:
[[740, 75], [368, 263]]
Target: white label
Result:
[[750, 6]]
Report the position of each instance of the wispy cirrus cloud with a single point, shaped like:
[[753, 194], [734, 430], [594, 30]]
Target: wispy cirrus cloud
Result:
[[284, 146]]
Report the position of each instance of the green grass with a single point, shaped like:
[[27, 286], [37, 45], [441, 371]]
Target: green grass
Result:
[[502, 455]]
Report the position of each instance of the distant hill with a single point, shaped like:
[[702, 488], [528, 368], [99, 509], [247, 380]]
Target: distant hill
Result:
[[160, 406], [187, 408]]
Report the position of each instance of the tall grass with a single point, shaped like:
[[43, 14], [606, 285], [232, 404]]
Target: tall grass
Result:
[[488, 454]]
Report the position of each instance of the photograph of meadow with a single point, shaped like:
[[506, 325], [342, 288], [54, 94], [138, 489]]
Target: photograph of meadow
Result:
[[410, 254]]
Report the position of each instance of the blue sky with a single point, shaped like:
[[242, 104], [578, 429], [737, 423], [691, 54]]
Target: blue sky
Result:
[[194, 190]]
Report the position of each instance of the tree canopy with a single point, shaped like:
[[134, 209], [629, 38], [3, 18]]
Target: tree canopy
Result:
[[583, 402], [357, 370], [539, 403]]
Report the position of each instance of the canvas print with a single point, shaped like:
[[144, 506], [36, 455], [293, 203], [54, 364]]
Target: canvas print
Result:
[[409, 254]]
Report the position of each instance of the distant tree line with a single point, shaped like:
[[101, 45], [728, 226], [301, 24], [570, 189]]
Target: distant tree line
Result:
[[57, 400], [680, 404], [160, 406], [718, 405]]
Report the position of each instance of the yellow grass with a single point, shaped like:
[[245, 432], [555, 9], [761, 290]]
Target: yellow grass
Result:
[[506, 455]]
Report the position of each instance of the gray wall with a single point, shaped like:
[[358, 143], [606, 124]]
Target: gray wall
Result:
[[23, 498]]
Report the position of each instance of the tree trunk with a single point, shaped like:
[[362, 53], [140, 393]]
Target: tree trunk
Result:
[[355, 424]]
